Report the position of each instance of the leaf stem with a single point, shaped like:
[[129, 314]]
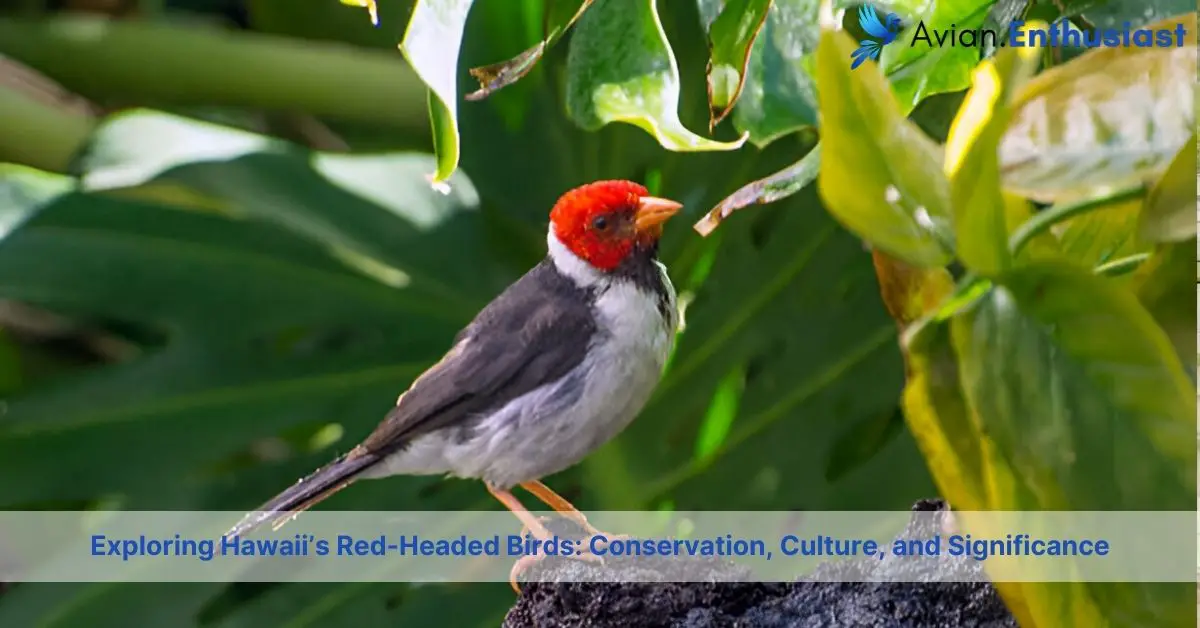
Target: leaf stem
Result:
[[1121, 265], [1043, 220]]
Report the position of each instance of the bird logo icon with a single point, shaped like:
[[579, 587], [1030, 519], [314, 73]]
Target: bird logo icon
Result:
[[883, 33]]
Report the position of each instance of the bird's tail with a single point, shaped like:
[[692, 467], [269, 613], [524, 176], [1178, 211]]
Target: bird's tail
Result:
[[307, 492]]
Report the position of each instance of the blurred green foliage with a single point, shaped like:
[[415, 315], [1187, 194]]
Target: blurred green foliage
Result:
[[223, 220]]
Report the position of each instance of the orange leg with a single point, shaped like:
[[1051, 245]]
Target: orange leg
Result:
[[535, 528], [561, 505]]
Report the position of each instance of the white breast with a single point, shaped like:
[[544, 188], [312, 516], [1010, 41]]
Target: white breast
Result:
[[550, 429]]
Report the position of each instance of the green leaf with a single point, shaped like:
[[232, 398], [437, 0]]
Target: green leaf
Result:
[[1102, 235], [780, 95], [730, 37], [1109, 119], [1166, 285], [1170, 212], [207, 165], [431, 45], [1097, 373], [332, 274], [769, 189], [1002, 14], [881, 176], [559, 16], [972, 160], [1099, 386], [635, 81], [1117, 13], [917, 65], [862, 441]]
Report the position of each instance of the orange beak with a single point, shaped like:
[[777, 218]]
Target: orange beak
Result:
[[652, 212]]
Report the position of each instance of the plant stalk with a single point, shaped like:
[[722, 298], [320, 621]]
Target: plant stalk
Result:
[[151, 63], [39, 135], [1043, 220]]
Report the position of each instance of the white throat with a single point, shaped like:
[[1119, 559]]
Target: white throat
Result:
[[568, 263]]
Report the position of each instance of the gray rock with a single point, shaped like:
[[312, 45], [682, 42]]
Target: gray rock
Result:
[[808, 603]]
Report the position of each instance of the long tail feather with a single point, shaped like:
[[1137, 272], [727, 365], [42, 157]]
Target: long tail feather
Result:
[[306, 493]]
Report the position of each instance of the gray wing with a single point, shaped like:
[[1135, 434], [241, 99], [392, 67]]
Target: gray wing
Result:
[[535, 332]]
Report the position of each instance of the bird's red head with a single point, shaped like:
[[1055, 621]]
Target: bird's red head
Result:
[[602, 222]]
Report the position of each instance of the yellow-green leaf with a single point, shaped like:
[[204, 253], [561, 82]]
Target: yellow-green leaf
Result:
[[1102, 235], [1109, 119], [1096, 370], [1170, 212], [966, 463], [1166, 285], [937, 414], [1072, 379], [881, 176], [620, 68], [972, 160]]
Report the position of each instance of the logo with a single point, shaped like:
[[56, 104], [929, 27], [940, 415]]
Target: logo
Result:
[[883, 33]]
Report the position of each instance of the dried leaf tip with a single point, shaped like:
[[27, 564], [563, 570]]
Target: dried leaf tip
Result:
[[710, 221]]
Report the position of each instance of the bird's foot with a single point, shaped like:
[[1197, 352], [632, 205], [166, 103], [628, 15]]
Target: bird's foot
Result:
[[591, 531], [525, 562], [525, 529], [603, 538]]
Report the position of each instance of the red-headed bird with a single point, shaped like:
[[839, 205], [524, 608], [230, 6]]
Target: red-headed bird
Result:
[[554, 367]]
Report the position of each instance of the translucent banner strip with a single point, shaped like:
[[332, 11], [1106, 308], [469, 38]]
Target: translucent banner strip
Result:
[[462, 546]]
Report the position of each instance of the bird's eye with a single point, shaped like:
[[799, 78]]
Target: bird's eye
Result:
[[600, 223]]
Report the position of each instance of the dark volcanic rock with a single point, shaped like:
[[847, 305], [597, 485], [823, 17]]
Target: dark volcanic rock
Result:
[[804, 604]]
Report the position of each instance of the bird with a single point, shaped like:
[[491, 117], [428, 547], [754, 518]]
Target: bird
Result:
[[868, 19], [556, 365]]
